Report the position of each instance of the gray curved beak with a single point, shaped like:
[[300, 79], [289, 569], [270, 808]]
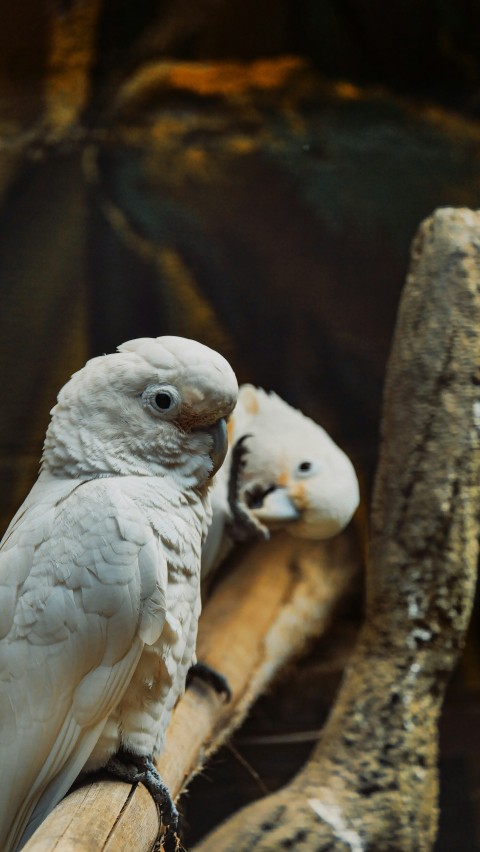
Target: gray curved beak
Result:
[[220, 444]]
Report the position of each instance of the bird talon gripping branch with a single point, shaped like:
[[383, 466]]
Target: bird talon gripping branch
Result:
[[243, 525], [210, 675], [140, 769]]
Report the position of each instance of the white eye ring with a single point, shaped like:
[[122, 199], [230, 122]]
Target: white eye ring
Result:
[[162, 400], [307, 468]]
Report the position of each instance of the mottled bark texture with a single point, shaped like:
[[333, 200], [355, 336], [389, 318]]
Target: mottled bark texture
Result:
[[372, 782], [279, 595]]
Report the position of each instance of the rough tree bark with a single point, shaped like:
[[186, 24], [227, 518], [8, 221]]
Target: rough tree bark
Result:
[[372, 781], [279, 595]]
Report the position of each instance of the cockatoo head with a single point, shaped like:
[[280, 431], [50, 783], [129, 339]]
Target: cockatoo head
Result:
[[157, 405], [294, 474]]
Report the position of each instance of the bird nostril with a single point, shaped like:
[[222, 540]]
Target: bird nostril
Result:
[[255, 497]]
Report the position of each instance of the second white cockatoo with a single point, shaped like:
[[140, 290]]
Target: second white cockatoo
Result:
[[100, 574], [282, 470]]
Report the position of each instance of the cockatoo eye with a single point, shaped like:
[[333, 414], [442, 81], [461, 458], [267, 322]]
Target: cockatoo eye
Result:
[[306, 468], [161, 399]]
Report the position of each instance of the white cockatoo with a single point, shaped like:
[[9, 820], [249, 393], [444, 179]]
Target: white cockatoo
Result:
[[99, 574], [281, 470]]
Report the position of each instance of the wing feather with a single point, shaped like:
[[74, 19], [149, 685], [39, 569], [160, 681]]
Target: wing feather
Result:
[[82, 587]]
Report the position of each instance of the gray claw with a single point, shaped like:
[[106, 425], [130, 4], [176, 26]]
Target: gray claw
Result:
[[210, 675], [243, 525], [136, 769]]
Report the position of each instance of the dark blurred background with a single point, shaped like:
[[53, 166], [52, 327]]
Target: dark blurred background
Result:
[[250, 174]]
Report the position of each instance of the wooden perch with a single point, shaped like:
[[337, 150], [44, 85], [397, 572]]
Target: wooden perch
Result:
[[259, 616], [372, 781]]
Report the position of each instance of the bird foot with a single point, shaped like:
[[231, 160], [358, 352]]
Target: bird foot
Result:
[[136, 769], [210, 675], [243, 525]]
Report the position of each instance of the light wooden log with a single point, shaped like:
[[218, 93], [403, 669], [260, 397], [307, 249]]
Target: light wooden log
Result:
[[264, 611], [372, 782]]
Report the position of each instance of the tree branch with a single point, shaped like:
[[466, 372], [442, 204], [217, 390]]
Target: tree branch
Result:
[[372, 781], [273, 600]]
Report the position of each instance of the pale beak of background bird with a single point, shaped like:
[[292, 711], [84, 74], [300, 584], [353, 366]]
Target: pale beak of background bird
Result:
[[277, 507], [220, 444]]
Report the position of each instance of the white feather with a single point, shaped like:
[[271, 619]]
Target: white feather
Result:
[[313, 503], [99, 571]]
